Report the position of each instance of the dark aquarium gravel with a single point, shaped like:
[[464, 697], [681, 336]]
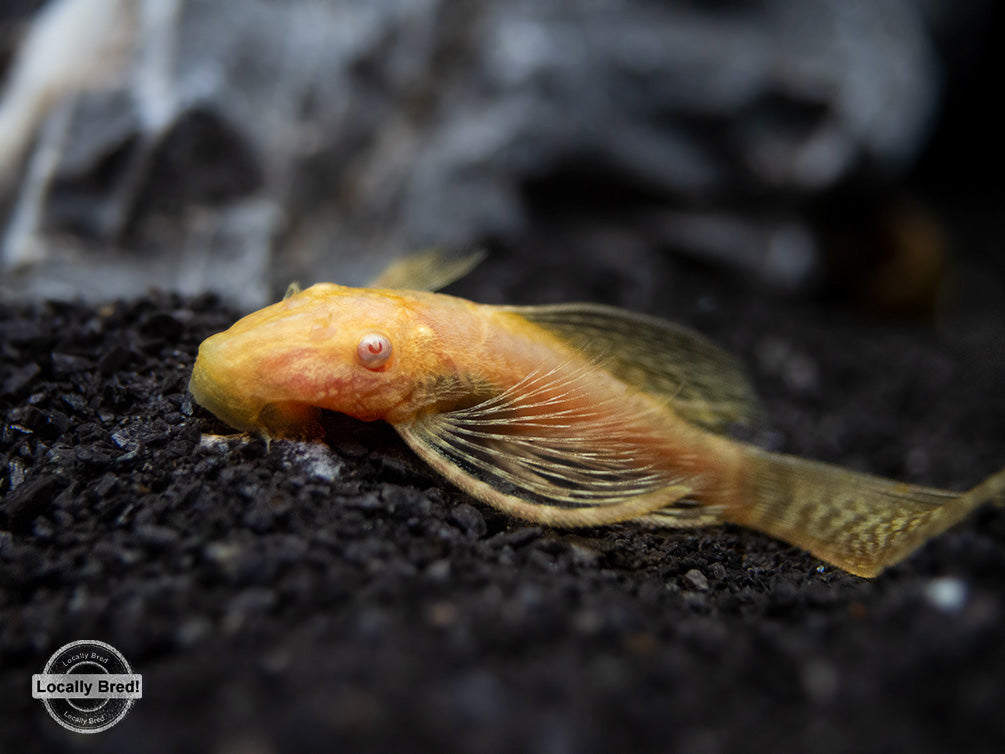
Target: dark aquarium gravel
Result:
[[341, 597]]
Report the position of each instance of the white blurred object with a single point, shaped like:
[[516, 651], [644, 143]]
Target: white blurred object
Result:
[[75, 46], [948, 594], [72, 46]]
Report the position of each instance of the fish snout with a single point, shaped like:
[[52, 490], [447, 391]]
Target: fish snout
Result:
[[219, 384], [251, 388]]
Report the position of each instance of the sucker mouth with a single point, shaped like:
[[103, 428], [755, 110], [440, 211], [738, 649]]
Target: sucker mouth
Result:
[[211, 397], [290, 419], [271, 419]]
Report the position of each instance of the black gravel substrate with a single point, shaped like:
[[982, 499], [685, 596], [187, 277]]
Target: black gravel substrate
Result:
[[341, 598]]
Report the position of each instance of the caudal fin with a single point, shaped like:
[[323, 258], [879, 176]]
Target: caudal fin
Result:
[[858, 522]]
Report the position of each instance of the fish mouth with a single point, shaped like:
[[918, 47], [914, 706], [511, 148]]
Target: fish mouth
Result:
[[229, 407], [290, 419], [248, 413]]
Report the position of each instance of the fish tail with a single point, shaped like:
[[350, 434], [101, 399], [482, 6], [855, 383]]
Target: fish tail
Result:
[[991, 489], [858, 522]]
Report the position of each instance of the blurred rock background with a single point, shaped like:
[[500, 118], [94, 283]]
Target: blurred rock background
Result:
[[815, 146]]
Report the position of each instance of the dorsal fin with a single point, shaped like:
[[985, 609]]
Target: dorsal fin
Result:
[[703, 383], [428, 270]]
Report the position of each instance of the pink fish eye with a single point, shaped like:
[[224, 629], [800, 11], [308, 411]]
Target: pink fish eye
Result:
[[373, 350]]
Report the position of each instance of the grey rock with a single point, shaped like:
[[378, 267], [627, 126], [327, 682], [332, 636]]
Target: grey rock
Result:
[[697, 579], [248, 143], [469, 519]]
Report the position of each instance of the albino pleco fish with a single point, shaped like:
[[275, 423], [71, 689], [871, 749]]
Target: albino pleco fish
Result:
[[565, 415]]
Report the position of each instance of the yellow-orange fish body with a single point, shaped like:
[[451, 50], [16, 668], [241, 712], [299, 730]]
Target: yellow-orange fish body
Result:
[[275, 369], [565, 415]]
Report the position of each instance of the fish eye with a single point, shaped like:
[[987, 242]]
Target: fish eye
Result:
[[373, 350]]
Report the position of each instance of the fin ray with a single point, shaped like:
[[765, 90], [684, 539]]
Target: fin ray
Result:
[[859, 522], [703, 383], [583, 469], [428, 270]]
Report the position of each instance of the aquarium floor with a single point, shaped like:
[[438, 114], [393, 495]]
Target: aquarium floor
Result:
[[341, 597]]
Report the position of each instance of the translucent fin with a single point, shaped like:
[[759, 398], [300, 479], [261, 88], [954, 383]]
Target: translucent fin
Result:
[[683, 515], [292, 290], [704, 384], [858, 522], [542, 452], [428, 270]]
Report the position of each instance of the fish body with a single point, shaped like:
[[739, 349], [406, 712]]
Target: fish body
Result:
[[567, 415]]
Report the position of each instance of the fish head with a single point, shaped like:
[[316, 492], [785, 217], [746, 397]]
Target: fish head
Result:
[[349, 350]]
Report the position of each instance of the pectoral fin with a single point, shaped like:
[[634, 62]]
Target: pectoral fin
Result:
[[428, 270], [539, 452], [703, 383]]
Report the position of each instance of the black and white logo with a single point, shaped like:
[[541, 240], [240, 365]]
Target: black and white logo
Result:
[[87, 686]]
